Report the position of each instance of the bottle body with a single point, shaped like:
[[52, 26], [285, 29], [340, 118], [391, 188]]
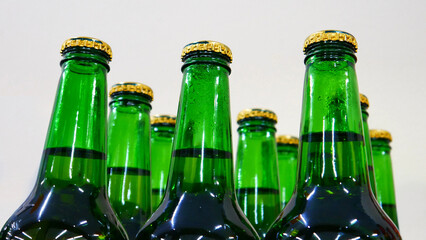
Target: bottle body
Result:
[[129, 170], [69, 199], [384, 180], [162, 134], [257, 183], [200, 200], [287, 166], [333, 199]]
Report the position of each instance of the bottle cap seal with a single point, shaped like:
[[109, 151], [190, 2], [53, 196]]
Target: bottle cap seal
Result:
[[163, 119], [364, 100], [381, 134], [131, 88], [257, 113], [207, 46], [287, 139], [87, 42], [330, 35]]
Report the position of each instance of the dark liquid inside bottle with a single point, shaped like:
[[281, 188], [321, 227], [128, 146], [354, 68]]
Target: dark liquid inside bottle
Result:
[[62, 210], [202, 211], [131, 215], [330, 208]]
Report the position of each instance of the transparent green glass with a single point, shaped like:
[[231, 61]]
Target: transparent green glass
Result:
[[161, 152], [129, 168], [333, 198], [384, 177], [257, 183], [287, 166], [200, 200], [369, 156], [69, 200]]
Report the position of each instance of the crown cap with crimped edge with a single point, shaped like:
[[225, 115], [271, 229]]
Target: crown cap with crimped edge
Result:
[[381, 134], [330, 35], [257, 113], [163, 119], [131, 88], [287, 139], [364, 100], [87, 42], [207, 46]]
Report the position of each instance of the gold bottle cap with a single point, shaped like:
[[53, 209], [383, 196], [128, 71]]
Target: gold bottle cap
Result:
[[382, 134], [364, 100], [163, 119], [257, 113], [87, 42], [132, 88], [287, 139], [330, 35], [207, 46]]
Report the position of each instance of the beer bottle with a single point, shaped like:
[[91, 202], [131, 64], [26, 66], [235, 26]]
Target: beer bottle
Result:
[[380, 142], [162, 133], [364, 106], [257, 183], [128, 162], [287, 165], [333, 198], [200, 200], [69, 199]]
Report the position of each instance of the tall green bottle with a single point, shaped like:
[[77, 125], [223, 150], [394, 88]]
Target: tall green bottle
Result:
[[162, 133], [287, 165], [380, 142], [257, 183], [200, 200], [129, 162], [69, 199], [333, 198], [366, 130]]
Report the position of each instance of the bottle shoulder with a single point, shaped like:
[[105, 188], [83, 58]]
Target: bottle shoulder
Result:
[[50, 211], [195, 215], [333, 213]]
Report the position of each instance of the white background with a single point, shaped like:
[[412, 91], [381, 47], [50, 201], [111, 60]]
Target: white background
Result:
[[266, 38]]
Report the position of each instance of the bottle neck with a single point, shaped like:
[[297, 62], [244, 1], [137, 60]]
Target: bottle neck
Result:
[[202, 150], [257, 155], [76, 139], [129, 134], [332, 148], [368, 151]]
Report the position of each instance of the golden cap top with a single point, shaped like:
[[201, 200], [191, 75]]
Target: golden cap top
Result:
[[382, 134], [132, 88], [208, 46], [364, 100], [163, 119], [330, 35], [257, 113], [287, 139], [87, 42]]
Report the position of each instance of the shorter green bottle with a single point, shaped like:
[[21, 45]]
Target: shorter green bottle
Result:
[[162, 133], [128, 162], [287, 165], [257, 183], [364, 106], [380, 142]]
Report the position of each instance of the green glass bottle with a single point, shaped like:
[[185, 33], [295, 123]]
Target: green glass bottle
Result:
[[200, 200], [162, 133], [257, 183], [69, 200], [287, 165], [333, 198], [364, 106], [129, 162], [380, 142]]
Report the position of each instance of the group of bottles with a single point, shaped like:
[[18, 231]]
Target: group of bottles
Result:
[[324, 187]]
